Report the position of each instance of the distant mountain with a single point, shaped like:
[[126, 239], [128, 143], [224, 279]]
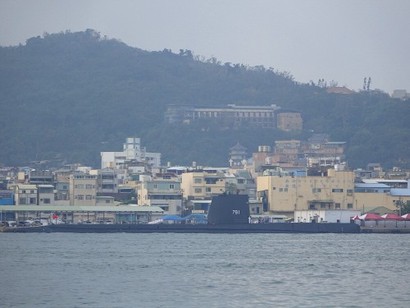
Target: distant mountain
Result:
[[68, 96]]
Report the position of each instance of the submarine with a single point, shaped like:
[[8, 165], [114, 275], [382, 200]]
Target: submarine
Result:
[[228, 213]]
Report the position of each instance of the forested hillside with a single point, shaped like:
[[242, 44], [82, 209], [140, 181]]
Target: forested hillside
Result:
[[68, 96]]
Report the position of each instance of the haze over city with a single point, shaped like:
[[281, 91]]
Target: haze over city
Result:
[[341, 41]]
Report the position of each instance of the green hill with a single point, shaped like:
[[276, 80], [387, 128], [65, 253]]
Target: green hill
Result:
[[68, 96]]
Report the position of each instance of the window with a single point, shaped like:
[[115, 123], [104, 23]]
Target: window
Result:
[[337, 190], [350, 205], [46, 201], [316, 190], [88, 197], [208, 189], [197, 181], [88, 186], [33, 200], [171, 186], [337, 205], [198, 190], [80, 197]]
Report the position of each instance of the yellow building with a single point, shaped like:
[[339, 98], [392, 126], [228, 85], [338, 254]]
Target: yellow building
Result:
[[83, 189], [203, 184], [284, 193]]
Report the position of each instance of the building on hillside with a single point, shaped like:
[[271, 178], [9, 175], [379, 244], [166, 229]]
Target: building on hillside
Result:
[[83, 189], [286, 192], [289, 121], [339, 90], [231, 115], [288, 153], [237, 156], [261, 158], [132, 153], [400, 94]]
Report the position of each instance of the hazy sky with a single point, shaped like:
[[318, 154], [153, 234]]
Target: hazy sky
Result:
[[343, 40]]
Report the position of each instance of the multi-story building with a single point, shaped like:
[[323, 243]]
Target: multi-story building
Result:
[[107, 181], [237, 156], [41, 177], [231, 115], [25, 194], [289, 120], [132, 153], [381, 194], [83, 189], [203, 184], [6, 197], [284, 193], [45, 194], [163, 191]]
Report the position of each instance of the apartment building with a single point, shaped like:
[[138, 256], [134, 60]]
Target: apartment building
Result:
[[45, 194], [203, 184], [83, 189], [164, 191]]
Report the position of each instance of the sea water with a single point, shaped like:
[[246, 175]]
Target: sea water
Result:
[[204, 270]]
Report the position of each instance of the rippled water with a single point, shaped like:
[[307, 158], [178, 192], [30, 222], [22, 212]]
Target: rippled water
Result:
[[204, 270]]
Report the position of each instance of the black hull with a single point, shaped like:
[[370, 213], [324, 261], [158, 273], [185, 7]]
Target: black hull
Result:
[[200, 228]]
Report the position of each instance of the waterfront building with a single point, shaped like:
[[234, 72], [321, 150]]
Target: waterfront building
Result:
[[286, 192], [373, 194]]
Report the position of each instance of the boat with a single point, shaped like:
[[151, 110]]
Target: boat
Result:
[[228, 213]]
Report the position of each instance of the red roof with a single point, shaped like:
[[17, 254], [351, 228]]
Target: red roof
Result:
[[371, 216], [392, 216], [406, 216]]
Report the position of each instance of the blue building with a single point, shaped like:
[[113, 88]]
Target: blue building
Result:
[[6, 197]]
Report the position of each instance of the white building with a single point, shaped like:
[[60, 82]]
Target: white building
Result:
[[132, 152], [342, 216]]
